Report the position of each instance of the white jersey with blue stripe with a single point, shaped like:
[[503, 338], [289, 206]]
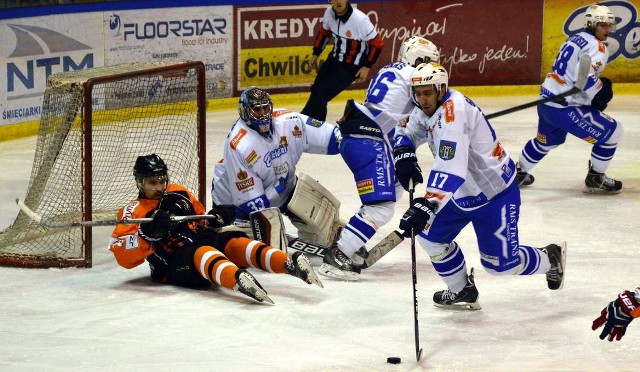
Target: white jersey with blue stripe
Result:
[[389, 90], [257, 172], [471, 166], [565, 69]]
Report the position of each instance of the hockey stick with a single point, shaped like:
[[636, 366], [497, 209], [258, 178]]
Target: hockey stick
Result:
[[46, 223], [415, 280], [584, 65]]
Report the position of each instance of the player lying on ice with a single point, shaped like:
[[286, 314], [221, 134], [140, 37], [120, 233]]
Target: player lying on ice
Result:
[[472, 180], [194, 253]]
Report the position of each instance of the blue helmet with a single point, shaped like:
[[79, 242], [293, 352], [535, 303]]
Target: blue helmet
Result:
[[256, 109]]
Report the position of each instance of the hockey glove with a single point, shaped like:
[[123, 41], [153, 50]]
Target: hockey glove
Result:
[[417, 216], [616, 316], [224, 214], [604, 95], [158, 228], [407, 167]]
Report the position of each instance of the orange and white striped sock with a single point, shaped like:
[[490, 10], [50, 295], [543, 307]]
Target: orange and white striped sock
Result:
[[245, 252], [215, 267]]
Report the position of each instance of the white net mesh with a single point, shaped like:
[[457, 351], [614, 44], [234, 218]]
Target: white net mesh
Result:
[[136, 109]]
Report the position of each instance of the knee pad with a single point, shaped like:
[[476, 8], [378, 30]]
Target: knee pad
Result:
[[616, 135], [377, 214]]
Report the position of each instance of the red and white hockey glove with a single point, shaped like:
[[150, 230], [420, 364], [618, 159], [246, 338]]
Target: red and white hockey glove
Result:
[[617, 316]]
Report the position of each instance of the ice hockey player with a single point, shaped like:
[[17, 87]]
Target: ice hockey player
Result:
[[258, 169], [366, 149], [472, 180], [193, 254], [580, 114], [618, 314]]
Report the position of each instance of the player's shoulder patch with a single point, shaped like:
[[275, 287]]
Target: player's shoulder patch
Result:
[[235, 141], [447, 150], [280, 112], [449, 115], [314, 122]]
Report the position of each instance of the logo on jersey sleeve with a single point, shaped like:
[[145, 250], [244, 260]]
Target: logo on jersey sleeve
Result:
[[128, 210], [447, 150], [365, 186], [235, 141], [296, 132], [449, 115], [243, 182], [314, 123]]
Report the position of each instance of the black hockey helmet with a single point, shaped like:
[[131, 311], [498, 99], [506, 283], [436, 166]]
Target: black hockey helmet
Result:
[[149, 166]]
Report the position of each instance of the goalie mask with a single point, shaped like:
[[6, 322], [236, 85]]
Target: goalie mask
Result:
[[599, 14], [418, 50], [256, 108], [150, 167]]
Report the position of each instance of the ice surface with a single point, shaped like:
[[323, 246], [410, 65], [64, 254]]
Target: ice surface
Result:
[[109, 318]]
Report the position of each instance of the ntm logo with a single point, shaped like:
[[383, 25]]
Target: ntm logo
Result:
[[38, 53]]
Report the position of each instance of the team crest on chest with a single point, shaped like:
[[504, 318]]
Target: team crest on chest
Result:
[[447, 150], [296, 132]]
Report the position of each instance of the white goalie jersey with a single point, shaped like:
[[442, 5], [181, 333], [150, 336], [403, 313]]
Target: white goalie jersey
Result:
[[257, 173]]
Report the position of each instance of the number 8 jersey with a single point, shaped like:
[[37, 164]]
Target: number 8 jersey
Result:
[[565, 70]]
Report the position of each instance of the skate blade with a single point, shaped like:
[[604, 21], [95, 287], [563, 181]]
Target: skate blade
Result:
[[460, 306], [335, 273], [312, 278], [598, 191]]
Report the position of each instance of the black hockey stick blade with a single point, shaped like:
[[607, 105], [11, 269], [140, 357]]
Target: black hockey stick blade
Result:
[[37, 218], [584, 65], [418, 355]]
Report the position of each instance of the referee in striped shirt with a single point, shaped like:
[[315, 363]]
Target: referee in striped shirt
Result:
[[356, 47]]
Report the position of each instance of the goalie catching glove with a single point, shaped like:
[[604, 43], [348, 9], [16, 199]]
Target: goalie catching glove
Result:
[[407, 167], [617, 316], [417, 216]]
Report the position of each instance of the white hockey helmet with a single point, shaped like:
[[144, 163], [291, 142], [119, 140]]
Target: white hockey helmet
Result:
[[599, 14], [428, 74], [418, 47]]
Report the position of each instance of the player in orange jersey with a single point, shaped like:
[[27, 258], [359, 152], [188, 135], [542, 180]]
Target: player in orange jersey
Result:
[[193, 253]]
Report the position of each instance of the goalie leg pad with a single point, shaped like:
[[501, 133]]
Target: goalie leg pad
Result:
[[317, 209]]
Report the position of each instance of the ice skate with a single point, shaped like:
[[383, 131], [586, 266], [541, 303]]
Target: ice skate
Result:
[[248, 285], [337, 265], [299, 266], [523, 178], [466, 299], [599, 183], [557, 257]]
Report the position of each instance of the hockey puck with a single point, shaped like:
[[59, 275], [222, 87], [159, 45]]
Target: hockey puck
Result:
[[393, 360]]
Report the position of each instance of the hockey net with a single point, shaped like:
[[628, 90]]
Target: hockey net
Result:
[[94, 124]]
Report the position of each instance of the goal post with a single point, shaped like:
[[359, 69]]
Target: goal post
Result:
[[94, 124]]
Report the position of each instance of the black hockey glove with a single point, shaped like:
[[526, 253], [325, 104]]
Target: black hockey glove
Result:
[[407, 167], [178, 203], [158, 228], [616, 316], [604, 95], [225, 215], [417, 216]]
